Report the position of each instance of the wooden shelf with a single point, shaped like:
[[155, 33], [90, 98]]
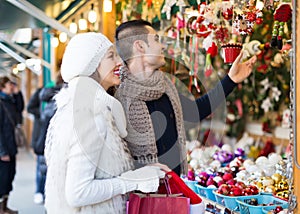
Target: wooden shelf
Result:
[[280, 135]]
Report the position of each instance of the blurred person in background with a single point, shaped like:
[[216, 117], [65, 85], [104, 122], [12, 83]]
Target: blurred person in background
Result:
[[34, 108], [43, 107], [9, 117]]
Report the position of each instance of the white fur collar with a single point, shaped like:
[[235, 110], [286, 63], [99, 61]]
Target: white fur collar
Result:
[[82, 90]]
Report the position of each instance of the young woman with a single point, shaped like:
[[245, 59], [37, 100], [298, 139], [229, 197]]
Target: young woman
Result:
[[89, 166]]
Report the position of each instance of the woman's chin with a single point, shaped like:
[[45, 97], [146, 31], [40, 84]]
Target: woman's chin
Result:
[[116, 81]]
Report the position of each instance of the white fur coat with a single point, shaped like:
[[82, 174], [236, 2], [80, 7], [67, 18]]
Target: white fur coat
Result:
[[84, 151]]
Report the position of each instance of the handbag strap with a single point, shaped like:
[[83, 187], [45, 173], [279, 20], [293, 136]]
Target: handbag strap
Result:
[[167, 185], [8, 114]]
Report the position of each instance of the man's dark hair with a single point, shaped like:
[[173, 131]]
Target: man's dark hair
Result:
[[127, 33]]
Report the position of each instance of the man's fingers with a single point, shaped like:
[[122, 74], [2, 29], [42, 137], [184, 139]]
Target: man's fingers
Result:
[[238, 58], [253, 60]]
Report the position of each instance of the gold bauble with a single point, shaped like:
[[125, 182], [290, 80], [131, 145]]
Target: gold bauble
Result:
[[259, 184], [286, 194], [285, 86], [276, 177], [270, 189], [261, 189], [280, 194], [267, 181], [282, 185]]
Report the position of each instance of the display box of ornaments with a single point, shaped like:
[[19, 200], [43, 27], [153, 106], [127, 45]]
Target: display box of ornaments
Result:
[[242, 185]]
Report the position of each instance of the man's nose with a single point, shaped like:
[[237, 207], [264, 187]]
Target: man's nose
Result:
[[118, 60]]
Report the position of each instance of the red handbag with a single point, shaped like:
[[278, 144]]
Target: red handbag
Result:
[[158, 204], [140, 203]]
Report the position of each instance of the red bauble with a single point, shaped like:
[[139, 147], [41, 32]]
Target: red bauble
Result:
[[212, 50], [283, 13], [251, 16], [269, 148], [278, 209], [228, 13], [222, 34], [227, 177], [240, 185], [237, 191], [224, 189], [231, 182], [259, 21]]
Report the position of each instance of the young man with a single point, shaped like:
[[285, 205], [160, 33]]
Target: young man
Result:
[[154, 109]]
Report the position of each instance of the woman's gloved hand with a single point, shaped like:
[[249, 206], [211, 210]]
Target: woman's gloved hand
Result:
[[145, 179]]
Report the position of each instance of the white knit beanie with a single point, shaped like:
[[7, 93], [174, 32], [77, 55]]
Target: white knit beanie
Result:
[[83, 55]]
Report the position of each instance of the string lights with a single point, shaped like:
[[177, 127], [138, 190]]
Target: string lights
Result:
[[87, 21], [82, 23], [92, 15], [73, 27], [63, 37]]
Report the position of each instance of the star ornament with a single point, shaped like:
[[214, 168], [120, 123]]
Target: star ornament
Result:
[[265, 83], [275, 93], [242, 26], [266, 105]]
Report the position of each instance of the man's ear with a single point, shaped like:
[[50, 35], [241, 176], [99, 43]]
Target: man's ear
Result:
[[139, 45]]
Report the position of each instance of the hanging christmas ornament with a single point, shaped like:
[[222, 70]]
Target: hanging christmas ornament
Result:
[[246, 18], [276, 93], [211, 52], [266, 84], [282, 14], [172, 32], [253, 47], [180, 21], [262, 68], [222, 34], [191, 25], [204, 25], [241, 25], [167, 8], [227, 10], [266, 105], [209, 13], [239, 106], [194, 56], [253, 12], [269, 148], [269, 4], [202, 30], [231, 51]]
